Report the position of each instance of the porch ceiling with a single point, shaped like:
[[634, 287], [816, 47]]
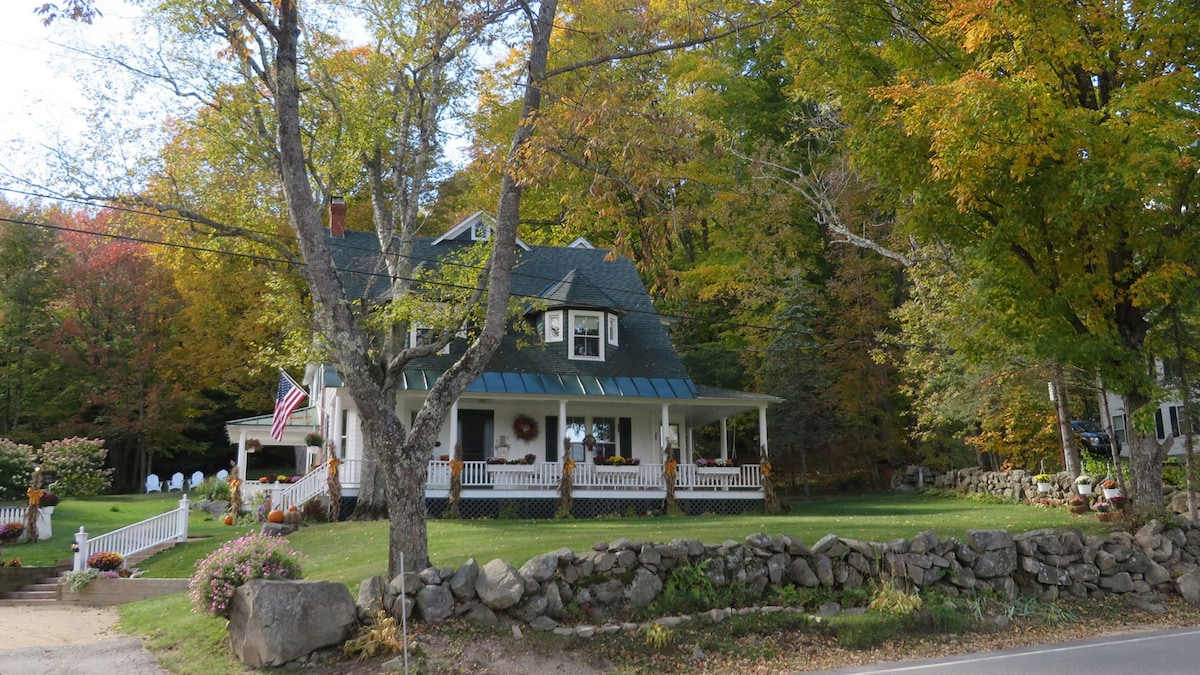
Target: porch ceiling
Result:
[[300, 423]]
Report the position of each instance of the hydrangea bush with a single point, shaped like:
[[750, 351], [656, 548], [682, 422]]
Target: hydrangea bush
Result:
[[16, 463], [252, 557], [78, 466]]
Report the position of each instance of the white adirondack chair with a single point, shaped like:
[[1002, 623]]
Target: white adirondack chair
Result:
[[152, 484], [222, 475], [176, 482], [196, 479]]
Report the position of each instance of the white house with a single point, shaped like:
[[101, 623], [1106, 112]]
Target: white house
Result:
[[593, 358]]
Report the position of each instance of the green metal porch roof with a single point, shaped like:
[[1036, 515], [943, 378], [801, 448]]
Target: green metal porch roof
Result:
[[417, 379]]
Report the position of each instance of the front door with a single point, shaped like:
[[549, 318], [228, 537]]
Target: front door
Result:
[[475, 433]]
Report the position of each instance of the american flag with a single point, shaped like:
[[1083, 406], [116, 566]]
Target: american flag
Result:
[[287, 398]]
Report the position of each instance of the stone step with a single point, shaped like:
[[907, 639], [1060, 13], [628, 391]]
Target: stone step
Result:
[[4, 602], [31, 595]]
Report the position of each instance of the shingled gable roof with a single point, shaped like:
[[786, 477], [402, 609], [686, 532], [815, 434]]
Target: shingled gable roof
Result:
[[576, 291], [644, 364]]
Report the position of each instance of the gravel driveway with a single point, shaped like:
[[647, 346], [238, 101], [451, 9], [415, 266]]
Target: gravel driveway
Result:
[[68, 640]]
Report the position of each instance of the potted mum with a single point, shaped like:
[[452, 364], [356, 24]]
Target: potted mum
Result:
[[1105, 512], [1110, 488], [1077, 505], [1043, 482], [11, 532], [1084, 484]]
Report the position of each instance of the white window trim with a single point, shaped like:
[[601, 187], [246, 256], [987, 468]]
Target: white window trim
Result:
[[480, 231], [412, 337], [612, 329], [552, 317], [571, 316]]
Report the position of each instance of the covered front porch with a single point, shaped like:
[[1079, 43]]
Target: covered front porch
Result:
[[531, 489]]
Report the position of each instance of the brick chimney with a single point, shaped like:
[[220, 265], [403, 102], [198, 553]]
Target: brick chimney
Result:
[[337, 217]]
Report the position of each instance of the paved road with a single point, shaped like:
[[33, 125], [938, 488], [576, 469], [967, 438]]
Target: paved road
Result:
[[123, 656], [1172, 652]]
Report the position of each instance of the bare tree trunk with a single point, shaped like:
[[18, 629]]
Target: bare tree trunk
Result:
[[1066, 437]]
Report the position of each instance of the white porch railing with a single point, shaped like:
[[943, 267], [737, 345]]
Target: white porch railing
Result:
[[171, 526], [546, 475], [284, 495]]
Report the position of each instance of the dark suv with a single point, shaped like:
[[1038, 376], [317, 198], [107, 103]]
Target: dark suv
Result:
[[1092, 437]]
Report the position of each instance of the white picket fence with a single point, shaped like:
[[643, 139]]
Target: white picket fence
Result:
[[171, 526], [16, 514]]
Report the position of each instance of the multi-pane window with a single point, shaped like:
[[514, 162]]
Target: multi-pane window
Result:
[[602, 429], [420, 335], [585, 336]]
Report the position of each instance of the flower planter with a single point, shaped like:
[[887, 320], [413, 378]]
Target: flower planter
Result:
[[1084, 488], [1109, 493], [1108, 516], [1044, 487], [621, 468], [718, 470], [510, 468]]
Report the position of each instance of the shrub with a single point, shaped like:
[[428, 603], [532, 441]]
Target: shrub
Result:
[[16, 464], [10, 532], [215, 489], [78, 466], [105, 561], [224, 570]]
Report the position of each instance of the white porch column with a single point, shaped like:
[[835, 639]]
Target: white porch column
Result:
[[691, 447], [664, 432], [724, 438], [562, 431], [336, 431], [241, 457], [454, 430], [762, 432]]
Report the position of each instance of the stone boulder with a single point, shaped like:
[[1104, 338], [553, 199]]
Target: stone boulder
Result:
[[274, 622], [498, 585]]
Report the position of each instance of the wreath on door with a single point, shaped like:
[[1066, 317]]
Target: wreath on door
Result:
[[525, 428]]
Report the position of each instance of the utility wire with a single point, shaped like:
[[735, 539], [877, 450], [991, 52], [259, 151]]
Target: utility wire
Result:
[[273, 260]]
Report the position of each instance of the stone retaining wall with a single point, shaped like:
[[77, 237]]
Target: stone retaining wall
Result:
[[615, 579], [104, 592], [1017, 485]]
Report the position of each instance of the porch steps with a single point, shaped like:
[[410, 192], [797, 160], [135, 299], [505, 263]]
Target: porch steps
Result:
[[42, 592]]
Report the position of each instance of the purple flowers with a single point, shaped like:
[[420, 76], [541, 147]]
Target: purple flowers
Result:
[[224, 570]]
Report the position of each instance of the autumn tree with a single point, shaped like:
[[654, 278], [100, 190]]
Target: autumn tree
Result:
[[117, 335], [1051, 146], [30, 257]]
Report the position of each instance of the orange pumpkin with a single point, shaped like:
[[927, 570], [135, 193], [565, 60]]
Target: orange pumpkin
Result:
[[292, 509], [228, 519], [275, 516]]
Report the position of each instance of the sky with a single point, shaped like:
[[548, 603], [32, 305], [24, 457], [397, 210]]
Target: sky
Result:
[[41, 98]]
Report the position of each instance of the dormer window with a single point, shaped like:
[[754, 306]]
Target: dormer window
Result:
[[586, 338], [480, 231], [423, 335]]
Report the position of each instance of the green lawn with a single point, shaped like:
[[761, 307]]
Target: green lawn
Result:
[[350, 552]]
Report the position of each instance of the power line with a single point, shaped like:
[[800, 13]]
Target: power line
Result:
[[274, 260]]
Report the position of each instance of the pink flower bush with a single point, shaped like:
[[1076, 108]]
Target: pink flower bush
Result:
[[225, 569]]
